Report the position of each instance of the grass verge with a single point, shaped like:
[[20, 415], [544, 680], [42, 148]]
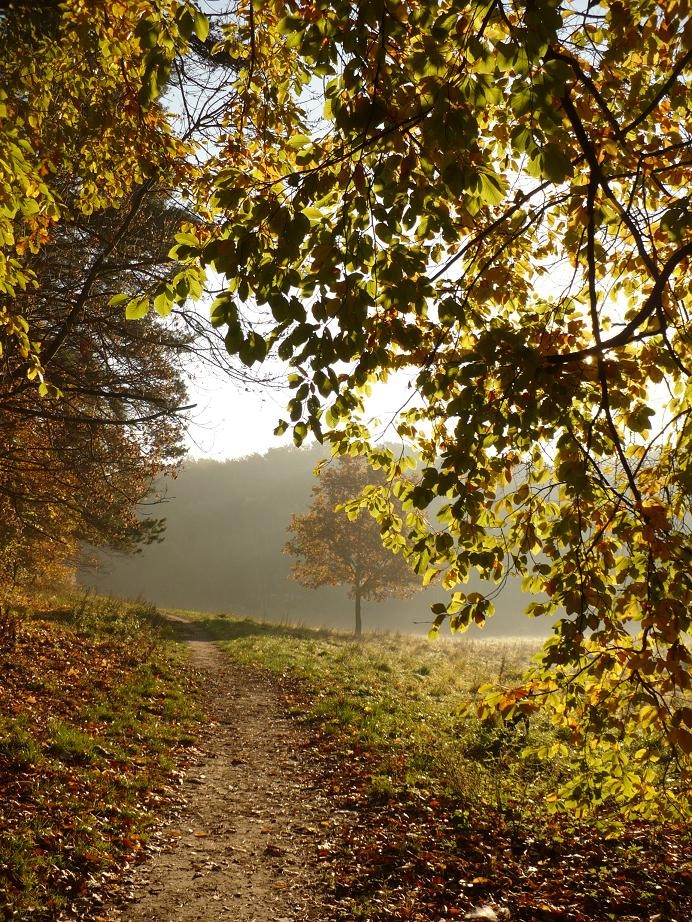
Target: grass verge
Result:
[[401, 696], [94, 713]]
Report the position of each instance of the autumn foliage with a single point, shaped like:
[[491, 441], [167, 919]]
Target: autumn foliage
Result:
[[492, 200], [334, 548], [89, 404]]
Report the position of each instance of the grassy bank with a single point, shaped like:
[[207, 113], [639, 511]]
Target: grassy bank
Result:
[[93, 714]]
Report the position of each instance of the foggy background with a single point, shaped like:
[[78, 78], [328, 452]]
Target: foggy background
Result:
[[222, 553]]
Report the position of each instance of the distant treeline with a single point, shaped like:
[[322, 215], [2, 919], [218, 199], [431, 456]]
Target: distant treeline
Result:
[[226, 527]]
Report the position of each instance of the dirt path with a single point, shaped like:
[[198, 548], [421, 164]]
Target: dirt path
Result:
[[248, 836]]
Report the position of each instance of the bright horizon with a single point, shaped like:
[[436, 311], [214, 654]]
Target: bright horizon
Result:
[[232, 420]]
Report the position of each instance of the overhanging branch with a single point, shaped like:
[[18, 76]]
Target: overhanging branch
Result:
[[630, 331]]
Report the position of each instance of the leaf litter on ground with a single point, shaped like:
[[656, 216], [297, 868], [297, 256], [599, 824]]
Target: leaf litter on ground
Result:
[[409, 841], [93, 719], [85, 773]]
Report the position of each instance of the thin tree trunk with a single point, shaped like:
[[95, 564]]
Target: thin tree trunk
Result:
[[359, 623]]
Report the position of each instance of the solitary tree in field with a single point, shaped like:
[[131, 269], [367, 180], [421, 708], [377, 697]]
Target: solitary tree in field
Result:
[[333, 549]]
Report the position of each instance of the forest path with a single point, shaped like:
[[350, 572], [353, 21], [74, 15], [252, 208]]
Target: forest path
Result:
[[249, 830]]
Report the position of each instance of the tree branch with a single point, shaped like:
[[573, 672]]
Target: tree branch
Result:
[[99, 421], [656, 101], [581, 74], [629, 331], [93, 274]]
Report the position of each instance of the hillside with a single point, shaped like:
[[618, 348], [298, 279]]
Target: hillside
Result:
[[226, 527]]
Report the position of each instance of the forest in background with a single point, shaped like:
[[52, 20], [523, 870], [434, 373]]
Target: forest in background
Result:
[[226, 524]]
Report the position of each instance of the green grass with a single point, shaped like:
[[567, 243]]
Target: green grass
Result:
[[70, 744], [441, 801], [402, 696], [18, 748]]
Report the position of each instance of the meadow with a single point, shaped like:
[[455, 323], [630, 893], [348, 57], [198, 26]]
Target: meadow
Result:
[[437, 801], [408, 699]]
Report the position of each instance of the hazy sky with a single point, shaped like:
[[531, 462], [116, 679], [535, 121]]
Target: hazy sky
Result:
[[230, 421]]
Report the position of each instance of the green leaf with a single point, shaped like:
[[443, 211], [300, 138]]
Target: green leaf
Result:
[[493, 188], [291, 24], [298, 141], [137, 308], [118, 299], [148, 33], [186, 22], [677, 222], [187, 239], [30, 207], [430, 575], [639, 419], [163, 303], [300, 431], [556, 164], [201, 26], [234, 339]]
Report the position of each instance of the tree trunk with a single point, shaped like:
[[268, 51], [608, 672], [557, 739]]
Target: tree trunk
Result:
[[359, 623]]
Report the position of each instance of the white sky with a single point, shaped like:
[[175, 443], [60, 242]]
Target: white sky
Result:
[[230, 421]]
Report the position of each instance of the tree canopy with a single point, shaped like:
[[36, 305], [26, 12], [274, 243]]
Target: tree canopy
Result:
[[95, 174], [88, 403], [334, 547], [493, 198]]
